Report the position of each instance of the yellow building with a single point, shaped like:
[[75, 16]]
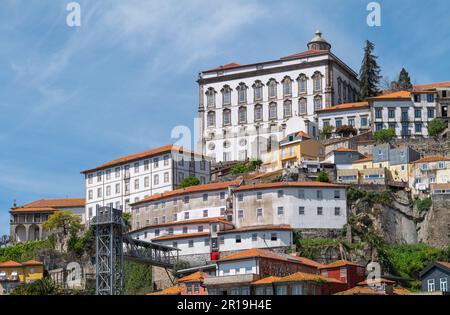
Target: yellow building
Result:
[[13, 274], [363, 164], [429, 170], [291, 151]]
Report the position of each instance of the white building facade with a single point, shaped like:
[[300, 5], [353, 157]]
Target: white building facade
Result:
[[357, 115], [244, 109], [134, 177], [408, 113]]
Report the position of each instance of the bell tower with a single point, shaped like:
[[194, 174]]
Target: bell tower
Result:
[[319, 43]]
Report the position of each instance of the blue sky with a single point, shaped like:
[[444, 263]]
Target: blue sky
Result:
[[71, 98]]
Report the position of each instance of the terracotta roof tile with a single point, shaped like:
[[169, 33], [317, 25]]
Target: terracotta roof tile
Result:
[[303, 276], [194, 277], [307, 261], [363, 160], [175, 290], [137, 156], [178, 236], [346, 106], [10, 263], [345, 150], [432, 158], [400, 95], [444, 263], [253, 253], [401, 291], [230, 65], [265, 281], [33, 263], [289, 184], [339, 263], [359, 291], [306, 54], [188, 190], [423, 87], [51, 204]]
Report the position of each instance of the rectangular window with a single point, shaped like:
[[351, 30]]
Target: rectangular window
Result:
[[418, 128], [280, 211], [206, 241], [364, 121], [200, 229], [319, 211], [351, 122], [430, 98], [259, 195], [391, 113], [221, 240], [186, 199], [240, 197], [205, 197], [170, 231], [254, 237], [301, 194], [338, 123], [136, 184], [319, 194], [281, 290], [175, 244], [378, 113], [90, 194], [238, 239], [108, 190], [430, 112], [240, 214], [117, 172], [185, 230], [337, 211], [156, 179], [146, 165], [222, 212], [297, 289], [186, 215], [431, 285], [418, 113], [443, 284], [259, 213], [301, 210], [273, 236], [136, 167], [205, 213], [99, 177], [337, 194], [108, 174], [280, 194], [99, 192], [191, 243]]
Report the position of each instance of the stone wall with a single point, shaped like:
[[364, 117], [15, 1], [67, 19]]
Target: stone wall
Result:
[[435, 228]]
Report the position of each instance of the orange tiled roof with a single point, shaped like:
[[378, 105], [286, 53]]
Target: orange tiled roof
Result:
[[137, 156], [346, 106], [378, 280], [288, 184], [188, 190], [306, 53], [33, 263], [360, 291], [10, 263], [345, 150], [401, 291], [267, 280], [230, 65], [254, 253], [339, 263], [307, 261], [424, 87], [194, 277], [175, 290], [400, 95], [178, 236], [447, 264], [366, 159], [51, 204], [432, 158], [303, 276]]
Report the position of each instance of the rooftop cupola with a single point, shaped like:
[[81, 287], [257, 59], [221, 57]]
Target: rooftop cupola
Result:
[[319, 43]]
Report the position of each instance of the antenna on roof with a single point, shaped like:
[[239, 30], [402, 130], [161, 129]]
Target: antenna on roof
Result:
[[14, 203]]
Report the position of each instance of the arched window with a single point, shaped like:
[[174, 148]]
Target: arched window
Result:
[[287, 109], [273, 111], [317, 81], [226, 95], [302, 106], [272, 85], [242, 93], [211, 97], [242, 115], [345, 92], [287, 86], [258, 90], [226, 117], [317, 103], [258, 112], [302, 86], [211, 121]]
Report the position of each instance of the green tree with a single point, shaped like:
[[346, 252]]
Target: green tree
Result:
[[403, 83], [323, 177], [369, 74], [245, 168], [138, 278], [126, 217], [63, 224], [436, 127], [189, 181], [44, 286], [424, 204], [326, 131], [384, 135]]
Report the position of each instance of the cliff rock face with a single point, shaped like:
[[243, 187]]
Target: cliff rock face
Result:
[[435, 228]]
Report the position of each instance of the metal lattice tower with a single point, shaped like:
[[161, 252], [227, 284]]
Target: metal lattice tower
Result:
[[109, 229]]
